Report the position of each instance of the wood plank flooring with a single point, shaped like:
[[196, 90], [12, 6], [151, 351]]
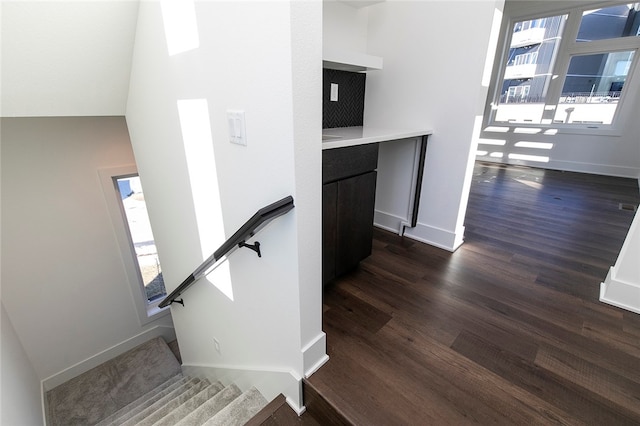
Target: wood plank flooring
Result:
[[506, 330]]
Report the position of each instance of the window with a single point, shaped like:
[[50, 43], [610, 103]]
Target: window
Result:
[[525, 25], [592, 88], [141, 236], [609, 22], [570, 70], [526, 58], [125, 201], [518, 93]]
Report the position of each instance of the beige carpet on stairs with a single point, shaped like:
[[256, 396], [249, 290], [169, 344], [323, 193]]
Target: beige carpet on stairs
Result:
[[103, 390], [145, 387]]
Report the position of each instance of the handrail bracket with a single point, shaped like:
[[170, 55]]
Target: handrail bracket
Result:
[[255, 247]]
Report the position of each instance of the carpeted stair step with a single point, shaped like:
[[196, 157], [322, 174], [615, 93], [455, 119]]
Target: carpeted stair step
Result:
[[105, 389], [240, 410], [211, 407], [145, 400], [145, 387], [191, 405], [164, 405], [164, 395]]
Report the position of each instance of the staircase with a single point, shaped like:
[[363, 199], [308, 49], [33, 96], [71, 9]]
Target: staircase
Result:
[[145, 386]]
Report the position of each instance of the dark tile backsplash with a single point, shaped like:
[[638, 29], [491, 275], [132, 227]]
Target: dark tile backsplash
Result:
[[349, 109]]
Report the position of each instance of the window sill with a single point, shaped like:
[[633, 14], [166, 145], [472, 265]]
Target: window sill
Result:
[[155, 313]]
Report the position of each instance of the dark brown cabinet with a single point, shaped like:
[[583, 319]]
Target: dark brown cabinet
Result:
[[329, 230], [348, 201]]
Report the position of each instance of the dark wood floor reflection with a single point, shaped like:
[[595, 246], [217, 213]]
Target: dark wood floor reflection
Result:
[[506, 330]]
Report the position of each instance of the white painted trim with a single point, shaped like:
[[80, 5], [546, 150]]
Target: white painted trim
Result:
[[437, 237], [431, 235], [616, 292], [389, 222], [592, 168], [572, 166], [44, 403], [315, 367], [147, 312], [168, 333], [270, 382], [314, 354]]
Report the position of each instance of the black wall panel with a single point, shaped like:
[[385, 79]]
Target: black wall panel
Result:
[[349, 109]]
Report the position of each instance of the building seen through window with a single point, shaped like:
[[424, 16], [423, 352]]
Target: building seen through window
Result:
[[583, 83]]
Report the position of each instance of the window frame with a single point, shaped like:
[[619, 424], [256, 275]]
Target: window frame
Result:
[[567, 48], [147, 311]]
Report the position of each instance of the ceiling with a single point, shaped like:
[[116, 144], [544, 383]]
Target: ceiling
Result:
[[66, 58]]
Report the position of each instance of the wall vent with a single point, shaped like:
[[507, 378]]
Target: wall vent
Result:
[[628, 207]]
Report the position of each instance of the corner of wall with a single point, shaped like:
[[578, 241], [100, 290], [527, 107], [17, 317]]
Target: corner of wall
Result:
[[314, 354], [618, 293], [621, 287]]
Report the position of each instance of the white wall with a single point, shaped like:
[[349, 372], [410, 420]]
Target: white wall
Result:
[[20, 389], [344, 27], [306, 53], [604, 154], [63, 282], [255, 57], [434, 59], [597, 154]]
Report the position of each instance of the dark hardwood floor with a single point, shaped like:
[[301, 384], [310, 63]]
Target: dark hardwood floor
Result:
[[506, 330]]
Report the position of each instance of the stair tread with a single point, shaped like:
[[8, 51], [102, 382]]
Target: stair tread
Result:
[[211, 407], [172, 390], [145, 387], [190, 405], [146, 399], [105, 389], [163, 406], [240, 410]]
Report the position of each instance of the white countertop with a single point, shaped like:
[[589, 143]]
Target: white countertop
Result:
[[341, 137]]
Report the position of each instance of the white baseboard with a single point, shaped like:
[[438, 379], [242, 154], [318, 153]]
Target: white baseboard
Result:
[[388, 221], [314, 354], [270, 383], [572, 166], [437, 237], [619, 293], [44, 402], [597, 169], [441, 238], [168, 333]]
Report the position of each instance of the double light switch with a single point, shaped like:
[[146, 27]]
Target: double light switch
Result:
[[237, 130]]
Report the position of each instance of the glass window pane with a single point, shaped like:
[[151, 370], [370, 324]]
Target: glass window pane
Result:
[[141, 236], [610, 22], [592, 88], [527, 71]]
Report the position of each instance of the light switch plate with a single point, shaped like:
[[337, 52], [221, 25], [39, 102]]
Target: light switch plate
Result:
[[237, 128], [334, 92]]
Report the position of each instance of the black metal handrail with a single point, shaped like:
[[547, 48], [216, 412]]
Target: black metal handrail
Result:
[[238, 239]]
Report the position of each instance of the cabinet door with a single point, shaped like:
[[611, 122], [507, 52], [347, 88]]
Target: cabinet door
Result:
[[329, 229], [356, 200]]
